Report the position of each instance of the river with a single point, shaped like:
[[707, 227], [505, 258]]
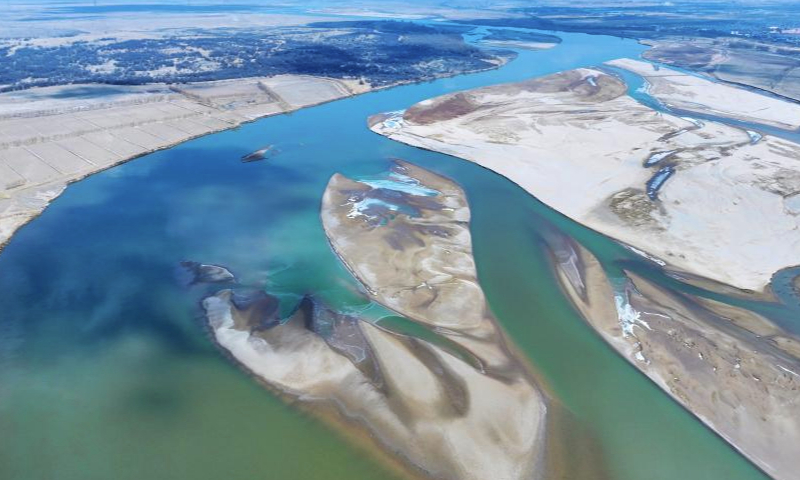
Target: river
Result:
[[107, 371]]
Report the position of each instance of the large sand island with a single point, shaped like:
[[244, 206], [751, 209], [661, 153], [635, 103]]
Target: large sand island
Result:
[[454, 403], [705, 199], [686, 192]]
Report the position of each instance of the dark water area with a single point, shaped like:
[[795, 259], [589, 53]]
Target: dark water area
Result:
[[107, 370]]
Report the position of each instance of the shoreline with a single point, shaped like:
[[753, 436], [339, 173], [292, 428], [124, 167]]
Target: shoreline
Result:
[[62, 185]]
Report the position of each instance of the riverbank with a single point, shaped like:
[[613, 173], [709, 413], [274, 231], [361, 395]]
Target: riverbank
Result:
[[756, 64], [53, 136], [102, 353], [519, 39]]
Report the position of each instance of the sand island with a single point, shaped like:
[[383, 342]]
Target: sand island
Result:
[[455, 403], [577, 142]]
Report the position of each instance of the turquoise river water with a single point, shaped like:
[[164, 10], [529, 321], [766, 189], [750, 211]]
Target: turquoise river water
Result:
[[107, 371]]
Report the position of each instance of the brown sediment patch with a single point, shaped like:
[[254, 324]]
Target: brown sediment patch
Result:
[[592, 298], [451, 107], [373, 120], [765, 295], [455, 105], [783, 181], [743, 319], [583, 458], [563, 252], [788, 344], [604, 88], [254, 310], [633, 207]]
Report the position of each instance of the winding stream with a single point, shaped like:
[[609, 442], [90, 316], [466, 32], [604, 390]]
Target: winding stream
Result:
[[106, 370]]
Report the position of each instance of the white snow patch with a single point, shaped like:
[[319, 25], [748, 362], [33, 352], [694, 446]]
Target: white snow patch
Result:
[[628, 316], [755, 137]]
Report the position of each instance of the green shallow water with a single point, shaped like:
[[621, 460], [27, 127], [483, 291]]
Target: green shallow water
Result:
[[106, 370]]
